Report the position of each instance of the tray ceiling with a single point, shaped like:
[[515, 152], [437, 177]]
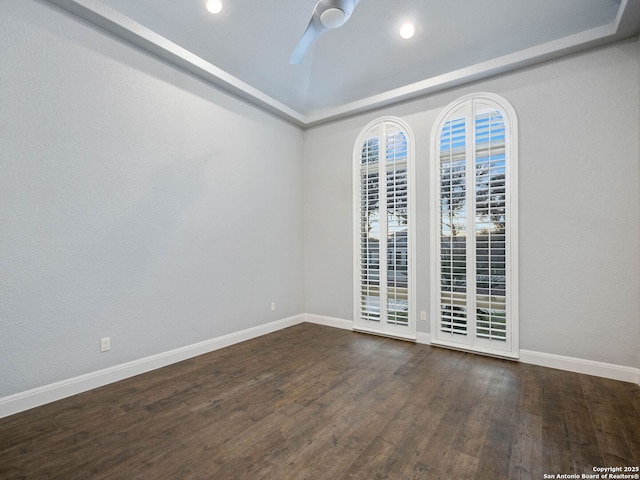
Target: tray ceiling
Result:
[[363, 64]]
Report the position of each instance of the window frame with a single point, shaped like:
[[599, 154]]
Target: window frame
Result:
[[471, 341], [386, 329]]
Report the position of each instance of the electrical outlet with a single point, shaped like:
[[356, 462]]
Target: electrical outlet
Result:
[[273, 306], [105, 344], [423, 316]]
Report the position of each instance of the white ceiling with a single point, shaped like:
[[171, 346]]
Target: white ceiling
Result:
[[365, 63]]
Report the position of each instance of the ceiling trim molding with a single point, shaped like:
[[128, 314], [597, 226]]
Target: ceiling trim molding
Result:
[[479, 71], [626, 24]]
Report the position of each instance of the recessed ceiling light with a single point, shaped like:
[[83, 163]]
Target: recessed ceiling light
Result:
[[407, 30], [214, 6]]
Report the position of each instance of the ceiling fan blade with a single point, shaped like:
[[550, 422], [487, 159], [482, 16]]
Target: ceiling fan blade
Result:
[[313, 31], [317, 26]]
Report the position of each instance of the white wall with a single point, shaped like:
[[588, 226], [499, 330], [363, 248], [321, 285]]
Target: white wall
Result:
[[136, 202], [579, 203]]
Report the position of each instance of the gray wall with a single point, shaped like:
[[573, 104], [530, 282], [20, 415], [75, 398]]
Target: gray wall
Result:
[[579, 203], [136, 202]]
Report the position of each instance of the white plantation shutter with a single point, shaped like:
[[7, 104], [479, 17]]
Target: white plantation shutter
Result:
[[490, 225], [396, 238], [383, 271], [369, 274], [474, 261], [453, 224]]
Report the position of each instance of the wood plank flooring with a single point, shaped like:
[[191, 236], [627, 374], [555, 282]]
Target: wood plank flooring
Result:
[[312, 402]]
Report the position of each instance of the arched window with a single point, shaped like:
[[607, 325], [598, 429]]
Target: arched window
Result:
[[474, 229], [383, 229]]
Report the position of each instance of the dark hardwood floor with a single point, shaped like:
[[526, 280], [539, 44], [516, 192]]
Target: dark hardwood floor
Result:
[[320, 403]]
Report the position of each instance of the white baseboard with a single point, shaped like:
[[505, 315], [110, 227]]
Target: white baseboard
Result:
[[56, 391], [580, 365], [328, 321], [49, 393]]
